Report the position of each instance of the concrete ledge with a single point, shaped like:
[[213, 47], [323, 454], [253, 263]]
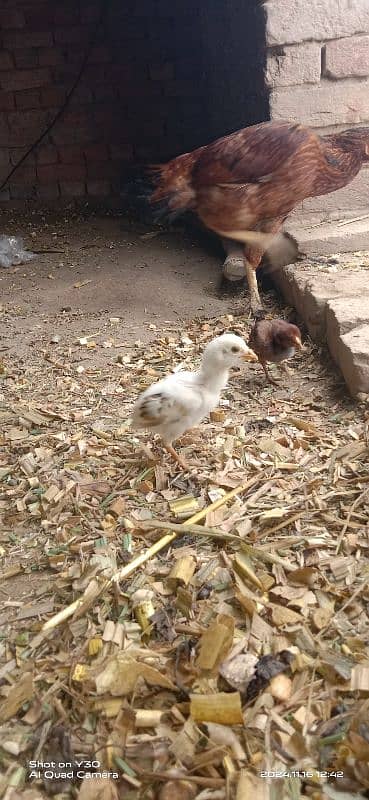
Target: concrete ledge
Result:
[[335, 308], [331, 237]]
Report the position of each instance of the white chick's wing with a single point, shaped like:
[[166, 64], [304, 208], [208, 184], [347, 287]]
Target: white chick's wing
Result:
[[166, 405]]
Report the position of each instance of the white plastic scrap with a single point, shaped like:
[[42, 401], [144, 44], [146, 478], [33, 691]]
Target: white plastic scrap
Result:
[[12, 251]]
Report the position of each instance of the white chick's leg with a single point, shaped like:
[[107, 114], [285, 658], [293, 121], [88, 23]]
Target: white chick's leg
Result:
[[252, 283], [175, 455]]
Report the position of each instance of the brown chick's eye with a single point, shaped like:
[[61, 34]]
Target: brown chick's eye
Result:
[[235, 349]]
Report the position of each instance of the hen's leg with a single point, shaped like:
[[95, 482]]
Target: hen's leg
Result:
[[253, 257], [252, 283], [175, 455]]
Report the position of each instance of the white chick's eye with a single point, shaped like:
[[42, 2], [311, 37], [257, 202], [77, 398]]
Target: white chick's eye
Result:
[[235, 349]]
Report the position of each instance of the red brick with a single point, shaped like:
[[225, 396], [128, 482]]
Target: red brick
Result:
[[7, 102], [50, 56], [121, 152], [52, 97], [25, 174], [64, 75], [47, 173], [98, 188], [71, 172], [30, 121], [346, 58], [48, 190], [77, 34], [96, 152], [16, 153], [26, 58], [11, 18], [24, 79], [6, 60], [70, 154], [101, 170], [72, 188], [22, 192], [39, 17], [67, 132], [47, 154], [4, 195], [28, 38], [4, 158], [27, 100]]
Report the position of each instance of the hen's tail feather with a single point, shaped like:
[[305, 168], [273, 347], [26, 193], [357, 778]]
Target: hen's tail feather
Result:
[[138, 186]]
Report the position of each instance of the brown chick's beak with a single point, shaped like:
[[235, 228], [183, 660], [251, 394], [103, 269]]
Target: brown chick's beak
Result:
[[250, 356], [298, 342]]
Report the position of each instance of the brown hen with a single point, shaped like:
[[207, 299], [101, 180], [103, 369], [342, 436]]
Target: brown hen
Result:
[[243, 186], [274, 341]]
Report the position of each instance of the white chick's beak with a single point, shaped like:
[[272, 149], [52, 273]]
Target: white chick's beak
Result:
[[249, 356], [298, 342]]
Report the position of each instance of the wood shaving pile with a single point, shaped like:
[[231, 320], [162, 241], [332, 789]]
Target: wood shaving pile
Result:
[[235, 661]]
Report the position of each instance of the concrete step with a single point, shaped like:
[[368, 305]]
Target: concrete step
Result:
[[324, 238], [335, 309]]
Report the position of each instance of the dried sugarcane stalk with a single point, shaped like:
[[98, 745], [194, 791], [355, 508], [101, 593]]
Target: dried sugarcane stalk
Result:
[[196, 530], [268, 558], [181, 572], [223, 708], [124, 572]]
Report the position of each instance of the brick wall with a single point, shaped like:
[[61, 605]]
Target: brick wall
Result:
[[318, 74], [156, 85]]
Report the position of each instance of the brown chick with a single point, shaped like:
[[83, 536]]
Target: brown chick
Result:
[[274, 340]]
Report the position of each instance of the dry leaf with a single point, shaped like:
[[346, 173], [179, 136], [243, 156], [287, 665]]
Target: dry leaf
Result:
[[20, 693]]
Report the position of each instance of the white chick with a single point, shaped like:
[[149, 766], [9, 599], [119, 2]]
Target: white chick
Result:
[[181, 400]]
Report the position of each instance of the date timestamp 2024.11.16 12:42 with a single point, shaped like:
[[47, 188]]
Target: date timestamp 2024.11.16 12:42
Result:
[[294, 773]]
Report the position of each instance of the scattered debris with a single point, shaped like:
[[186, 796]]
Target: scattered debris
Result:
[[186, 633]]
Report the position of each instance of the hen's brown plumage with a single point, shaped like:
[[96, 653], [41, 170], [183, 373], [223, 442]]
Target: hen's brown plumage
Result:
[[246, 184], [274, 341]]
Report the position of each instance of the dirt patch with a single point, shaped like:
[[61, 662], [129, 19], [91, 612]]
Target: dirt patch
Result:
[[280, 573], [91, 268]]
